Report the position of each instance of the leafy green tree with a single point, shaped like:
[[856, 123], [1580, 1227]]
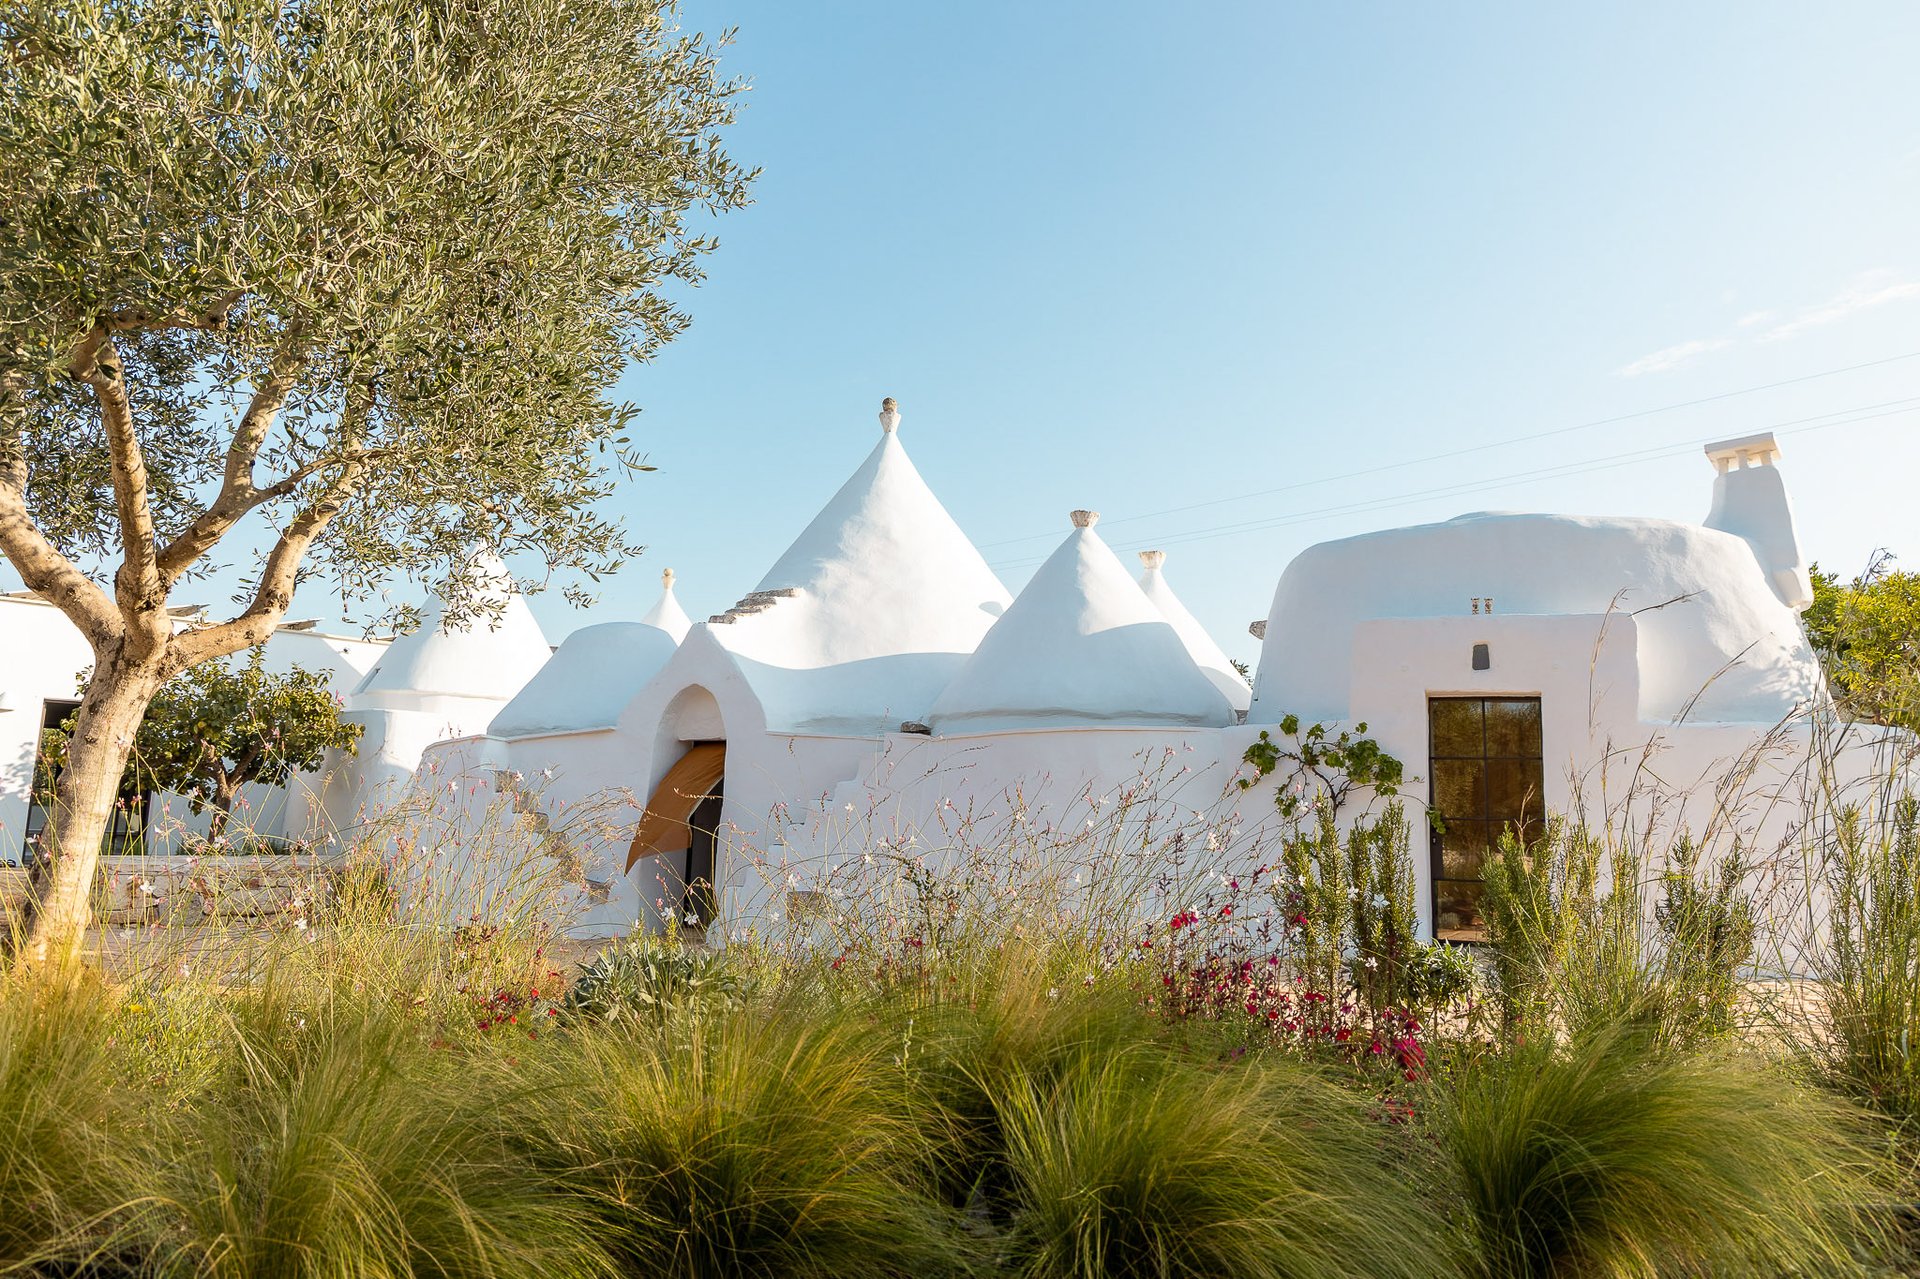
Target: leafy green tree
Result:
[[1867, 633], [323, 286], [219, 726]]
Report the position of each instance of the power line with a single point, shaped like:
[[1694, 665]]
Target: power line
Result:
[[1479, 448], [1795, 426]]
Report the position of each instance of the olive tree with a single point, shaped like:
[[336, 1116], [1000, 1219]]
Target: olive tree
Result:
[[332, 287]]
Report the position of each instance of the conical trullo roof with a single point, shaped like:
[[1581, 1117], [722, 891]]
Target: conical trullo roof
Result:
[[484, 657], [1082, 645], [1207, 655], [869, 613], [666, 613], [595, 672]]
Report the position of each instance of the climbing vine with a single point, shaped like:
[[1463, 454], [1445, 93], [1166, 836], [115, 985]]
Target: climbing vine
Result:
[[1315, 765]]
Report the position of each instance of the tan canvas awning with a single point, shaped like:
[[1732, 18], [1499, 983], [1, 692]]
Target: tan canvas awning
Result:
[[663, 827]]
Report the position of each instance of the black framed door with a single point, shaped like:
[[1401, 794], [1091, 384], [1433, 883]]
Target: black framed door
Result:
[[1487, 777]]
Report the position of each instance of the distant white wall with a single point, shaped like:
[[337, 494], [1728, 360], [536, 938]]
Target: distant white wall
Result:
[[41, 657]]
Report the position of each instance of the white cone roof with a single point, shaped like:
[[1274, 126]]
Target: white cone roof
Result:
[[666, 613], [595, 672], [1207, 655], [483, 658], [1081, 646], [870, 612]]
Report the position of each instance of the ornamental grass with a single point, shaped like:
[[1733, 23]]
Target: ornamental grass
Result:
[[753, 1142], [1137, 1163], [1614, 1158]]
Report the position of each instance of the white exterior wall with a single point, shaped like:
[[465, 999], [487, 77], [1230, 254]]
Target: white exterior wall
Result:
[[41, 656]]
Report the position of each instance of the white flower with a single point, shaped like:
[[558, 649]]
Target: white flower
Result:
[[690, 919], [301, 924], [1373, 961], [1379, 901]]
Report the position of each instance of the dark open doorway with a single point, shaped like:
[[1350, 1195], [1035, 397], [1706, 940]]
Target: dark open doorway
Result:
[[703, 852]]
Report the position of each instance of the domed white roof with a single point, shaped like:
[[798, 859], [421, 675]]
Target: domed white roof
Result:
[[591, 677], [1715, 639], [1207, 655], [1081, 645], [489, 658], [870, 611], [666, 613]]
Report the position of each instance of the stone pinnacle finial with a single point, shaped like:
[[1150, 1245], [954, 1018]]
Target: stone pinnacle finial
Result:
[[1153, 559], [1084, 519], [889, 415], [666, 579]]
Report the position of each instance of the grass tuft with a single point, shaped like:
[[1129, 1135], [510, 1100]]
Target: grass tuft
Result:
[[1614, 1159]]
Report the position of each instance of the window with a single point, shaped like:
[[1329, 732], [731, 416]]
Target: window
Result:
[[1485, 765]]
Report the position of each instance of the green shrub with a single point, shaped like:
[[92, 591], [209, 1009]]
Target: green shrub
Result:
[[649, 979], [1437, 975], [1141, 1165], [1870, 971], [1706, 940], [750, 1144], [1613, 1158], [1577, 949]]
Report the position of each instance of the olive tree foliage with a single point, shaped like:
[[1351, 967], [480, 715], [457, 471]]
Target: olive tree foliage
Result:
[[331, 287]]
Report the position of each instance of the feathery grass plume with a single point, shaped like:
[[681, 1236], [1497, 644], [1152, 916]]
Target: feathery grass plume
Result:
[[1613, 1158], [1139, 1164], [753, 1143], [69, 1186], [344, 1148]]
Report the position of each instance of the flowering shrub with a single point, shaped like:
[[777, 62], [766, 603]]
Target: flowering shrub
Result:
[[511, 1009], [1254, 997]]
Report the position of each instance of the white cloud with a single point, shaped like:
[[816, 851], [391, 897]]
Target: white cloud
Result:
[[1868, 290], [1872, 289], [1673, 357]]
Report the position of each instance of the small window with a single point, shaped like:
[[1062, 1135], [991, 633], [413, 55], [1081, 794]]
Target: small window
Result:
[[1486, 777]]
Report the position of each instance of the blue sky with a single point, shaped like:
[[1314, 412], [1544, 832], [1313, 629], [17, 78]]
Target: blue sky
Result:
[[1141, 259], [1193, 266]]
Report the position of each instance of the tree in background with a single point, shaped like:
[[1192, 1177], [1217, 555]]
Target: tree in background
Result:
[[219, 726], [1867, 633], [322, 286]]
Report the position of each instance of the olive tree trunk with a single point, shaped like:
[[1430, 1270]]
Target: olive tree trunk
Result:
[[60, 903]]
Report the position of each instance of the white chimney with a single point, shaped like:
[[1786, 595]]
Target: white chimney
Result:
[[1750, 501]]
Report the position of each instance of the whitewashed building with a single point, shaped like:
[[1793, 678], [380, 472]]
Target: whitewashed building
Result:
[[1517, 663]]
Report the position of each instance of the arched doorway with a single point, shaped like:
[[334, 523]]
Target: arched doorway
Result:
[[680, 832]]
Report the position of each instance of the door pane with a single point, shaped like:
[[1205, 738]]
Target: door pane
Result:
[[1463, 848], [1513, 790], [1460, 787], [1513, 728], [1456, 723], [1457, 915]]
